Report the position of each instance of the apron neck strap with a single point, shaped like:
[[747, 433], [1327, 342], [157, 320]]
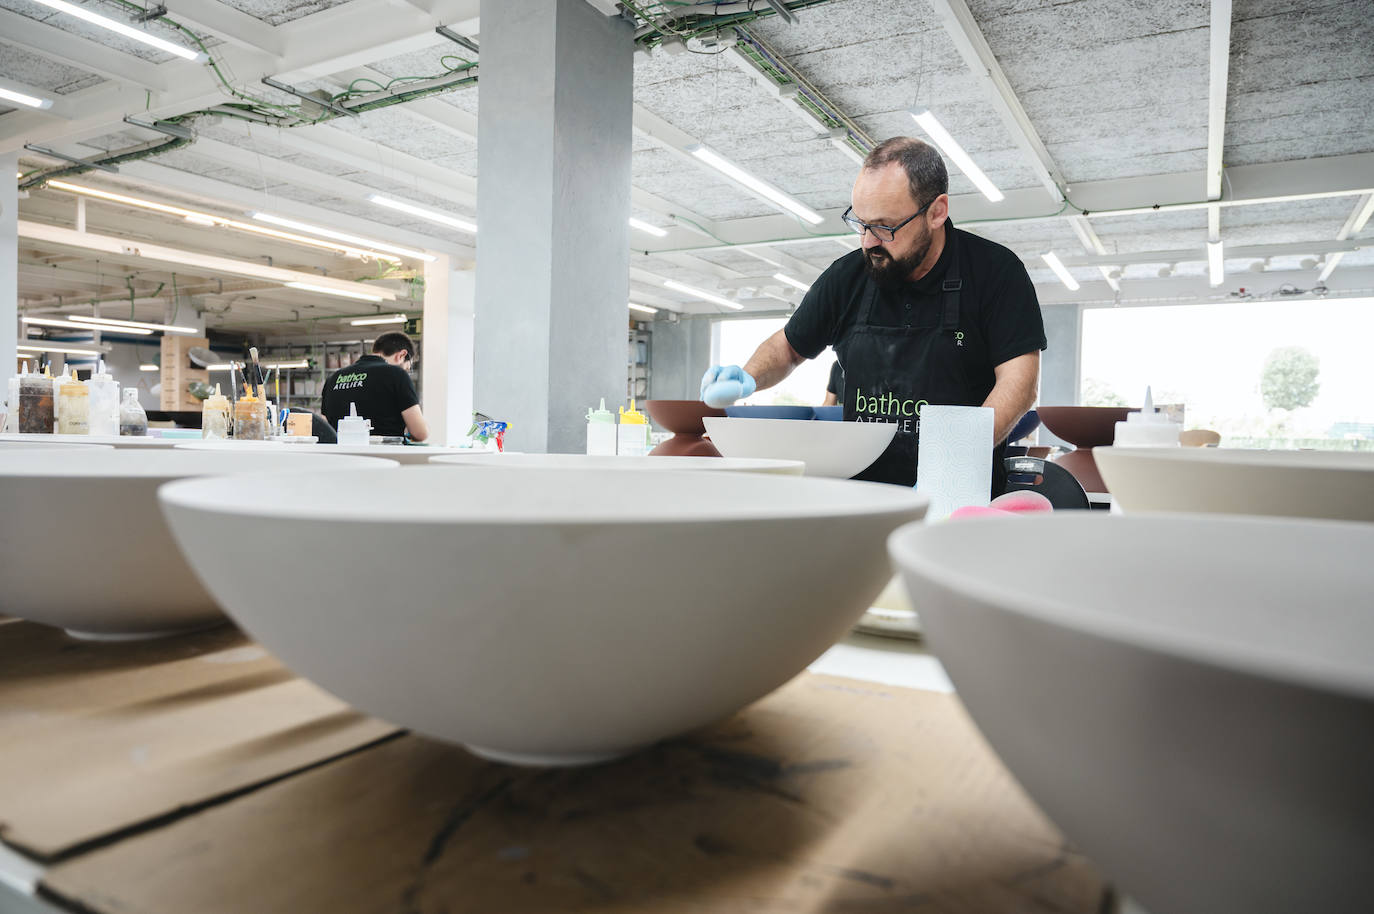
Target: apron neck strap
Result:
[[949, 288]]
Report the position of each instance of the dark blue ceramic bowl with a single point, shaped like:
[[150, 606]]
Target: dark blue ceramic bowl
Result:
[[829, 413], [1027, 424], [768, 412]]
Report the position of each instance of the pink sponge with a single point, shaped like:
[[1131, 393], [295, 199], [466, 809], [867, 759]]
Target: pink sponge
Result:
[[976, 511], [1022, 502]]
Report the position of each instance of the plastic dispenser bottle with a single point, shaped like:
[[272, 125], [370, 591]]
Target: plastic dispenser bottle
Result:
[[601, 431], [104, 418], [1147, 428], [35, 404], [214, 417], [632, 439], [250, 418], [12, 401], [132, 419], [353, 428], [74, 413]]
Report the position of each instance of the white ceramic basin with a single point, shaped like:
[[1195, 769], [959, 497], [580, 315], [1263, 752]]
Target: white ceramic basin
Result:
[[405, 454], [595, 462], [1332, 484], [544, 616], [839, 449], [15, 445], [117, 441], [83, 545], [1190, 698]]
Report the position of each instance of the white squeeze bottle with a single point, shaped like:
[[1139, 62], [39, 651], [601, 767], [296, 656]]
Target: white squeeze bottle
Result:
[[104, 408], [601, 432], [353, 428], [1147, 428], [12, 401]]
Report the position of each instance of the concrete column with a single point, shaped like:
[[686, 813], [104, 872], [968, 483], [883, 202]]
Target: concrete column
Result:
[[9, 263], [446, 350], [554, 140], [1061, 362], [681, 354]]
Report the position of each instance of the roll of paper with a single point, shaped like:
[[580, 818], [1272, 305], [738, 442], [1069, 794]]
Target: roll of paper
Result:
[[954, 457]]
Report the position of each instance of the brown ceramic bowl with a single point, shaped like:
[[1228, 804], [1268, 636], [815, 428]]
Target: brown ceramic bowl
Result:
[[1083, 426], [1084, 468], [684, 419]]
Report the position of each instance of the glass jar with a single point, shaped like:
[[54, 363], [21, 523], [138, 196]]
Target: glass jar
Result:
[[132, 419], [35, 405], [74, 408], [250, 419]]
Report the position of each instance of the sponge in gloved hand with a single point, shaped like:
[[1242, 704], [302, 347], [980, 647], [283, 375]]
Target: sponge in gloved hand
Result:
[[724, 384]]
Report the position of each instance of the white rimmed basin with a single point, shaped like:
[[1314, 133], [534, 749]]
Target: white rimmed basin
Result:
[[598, 462], [405, 454], [1190, 698], [84, 547], [15, 445], [838, 449], [131, 442], [544, 616], [1337, 485]]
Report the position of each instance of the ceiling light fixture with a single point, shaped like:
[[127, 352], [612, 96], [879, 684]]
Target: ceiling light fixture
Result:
[[1054, 263], [209, 219], [707, 296], [433, 216], [102, 323], [72, 325], [643, 226], [380, 319], [342, 293], [951, 148], [23, 98], [298, 363], [1216, 265], [755, 185], [120, 28], [342, 236], [149, 367], [794, 283], [32, 346], [643, 308]]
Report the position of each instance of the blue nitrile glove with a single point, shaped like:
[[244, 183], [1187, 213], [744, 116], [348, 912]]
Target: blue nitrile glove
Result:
[[724, 384]]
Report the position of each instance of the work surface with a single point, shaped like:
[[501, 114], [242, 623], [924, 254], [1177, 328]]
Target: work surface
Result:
[[195, 774]]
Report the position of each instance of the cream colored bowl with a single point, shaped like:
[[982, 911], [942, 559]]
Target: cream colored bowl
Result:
[[1337, 485], [84, 547], [595, 462], [130, 442], [404, 454], [838, 449], [547, 617]]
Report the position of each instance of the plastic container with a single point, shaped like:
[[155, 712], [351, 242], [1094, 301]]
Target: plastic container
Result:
[[601, 434], [1147, 428], [632, 435], [250, 419], [12, 401], [74, 411], [35, 405], [214, 417], [104, 402], [300, 425], [354, 429], [133, 421]]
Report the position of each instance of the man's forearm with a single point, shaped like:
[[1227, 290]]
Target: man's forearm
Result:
[[1013, 394], [773, 361]]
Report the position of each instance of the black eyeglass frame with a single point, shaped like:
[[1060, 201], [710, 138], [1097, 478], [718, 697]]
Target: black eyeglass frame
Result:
[[860, 227]]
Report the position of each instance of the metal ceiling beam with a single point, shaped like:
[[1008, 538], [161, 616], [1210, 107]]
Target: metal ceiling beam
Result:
[[230, 25], [1354, 224], [1199, 254], [1218, 69], [1197, 290], [82, 53], [968, 39], [392, 28], [1093, 245]]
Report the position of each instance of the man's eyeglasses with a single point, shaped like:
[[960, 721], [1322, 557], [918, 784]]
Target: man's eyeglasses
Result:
[[881, 232]]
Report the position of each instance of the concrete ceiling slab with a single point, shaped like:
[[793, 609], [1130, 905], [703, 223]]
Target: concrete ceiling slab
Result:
[[73, 26], [276, 12], [37, 71]]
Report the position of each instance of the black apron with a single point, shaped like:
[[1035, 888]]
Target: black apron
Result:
[[891, 372]]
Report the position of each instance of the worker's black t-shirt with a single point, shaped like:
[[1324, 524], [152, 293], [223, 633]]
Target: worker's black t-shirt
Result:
[[836, 383], [382, 392]]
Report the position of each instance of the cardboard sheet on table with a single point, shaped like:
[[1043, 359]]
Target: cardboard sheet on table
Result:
[[829, 795], [100, 737]]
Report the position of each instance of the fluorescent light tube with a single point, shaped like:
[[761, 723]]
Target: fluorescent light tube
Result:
[[794, 283], [31, 346], [937, 132], [299, 363], [707, 296], [120, 28], [1054, 263], [52, 322], [223, 366], [643, 308], [755, 185], [380, 319], [442, 218], [201, 220], [1216, 266], [101, 323], [342, 293], [149, 367], [342, 236], [643, 226], [23, 98]]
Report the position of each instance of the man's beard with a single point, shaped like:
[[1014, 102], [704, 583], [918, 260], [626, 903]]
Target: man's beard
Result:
[[889, 272]]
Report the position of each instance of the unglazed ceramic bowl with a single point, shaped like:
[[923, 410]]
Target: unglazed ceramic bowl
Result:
[[838, 449], [1190, 698], [14, 445], [1083, 426], [627, 463], [84, 547], [125, 442], [683, 419], [544, 617], [405, 454], [1338, 485]]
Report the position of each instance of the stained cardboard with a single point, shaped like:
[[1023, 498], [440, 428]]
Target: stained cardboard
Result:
[[829, 795], [97, 738]]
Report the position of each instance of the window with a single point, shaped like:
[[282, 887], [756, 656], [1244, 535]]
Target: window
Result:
[[805, 386]]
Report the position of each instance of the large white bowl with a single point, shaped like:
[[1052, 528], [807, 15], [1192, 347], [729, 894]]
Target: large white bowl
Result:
[[83, 545], [599, 462], [405, 454], [839, 449], [131, 442], [14, 445], [1333, 484], [1190, 698], [543, 616]]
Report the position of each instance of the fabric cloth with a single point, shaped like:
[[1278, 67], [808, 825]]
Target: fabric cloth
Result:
[[381, 390]]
